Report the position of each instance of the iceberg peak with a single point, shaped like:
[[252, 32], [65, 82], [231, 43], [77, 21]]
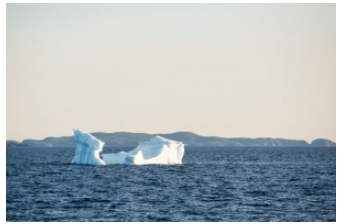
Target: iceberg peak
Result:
[[161, 140], [88, 149]]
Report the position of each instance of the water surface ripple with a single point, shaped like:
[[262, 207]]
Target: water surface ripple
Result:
[[212, 184]]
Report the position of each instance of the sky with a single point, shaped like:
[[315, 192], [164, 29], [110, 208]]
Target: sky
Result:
[[229, 70]]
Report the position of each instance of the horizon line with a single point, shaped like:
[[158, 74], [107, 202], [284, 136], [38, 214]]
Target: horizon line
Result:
[[174, 133]]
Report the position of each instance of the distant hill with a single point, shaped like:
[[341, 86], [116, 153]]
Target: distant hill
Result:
[[15, 144], [323, 142], [127, 139]]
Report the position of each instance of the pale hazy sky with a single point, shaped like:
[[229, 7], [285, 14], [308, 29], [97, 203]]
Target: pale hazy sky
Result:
[[230, 70]]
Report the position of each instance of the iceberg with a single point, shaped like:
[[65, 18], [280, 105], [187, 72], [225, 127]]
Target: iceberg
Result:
[[157, 150], [88, 149]]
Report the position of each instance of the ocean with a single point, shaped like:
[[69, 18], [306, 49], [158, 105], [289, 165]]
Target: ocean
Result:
[[213, 184]]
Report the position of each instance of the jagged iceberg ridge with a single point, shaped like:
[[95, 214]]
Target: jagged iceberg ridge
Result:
[[158, 150]]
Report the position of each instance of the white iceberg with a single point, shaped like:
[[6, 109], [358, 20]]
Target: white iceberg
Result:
[[158, 150], [88, 149]]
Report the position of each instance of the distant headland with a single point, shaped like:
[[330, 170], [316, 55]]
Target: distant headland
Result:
[[15, 144], [128, 139]]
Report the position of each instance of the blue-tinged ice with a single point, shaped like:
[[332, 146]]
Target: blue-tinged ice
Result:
[[158, 150], [88, 149]]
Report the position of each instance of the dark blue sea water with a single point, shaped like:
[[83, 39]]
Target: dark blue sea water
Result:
[[212, 184]]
